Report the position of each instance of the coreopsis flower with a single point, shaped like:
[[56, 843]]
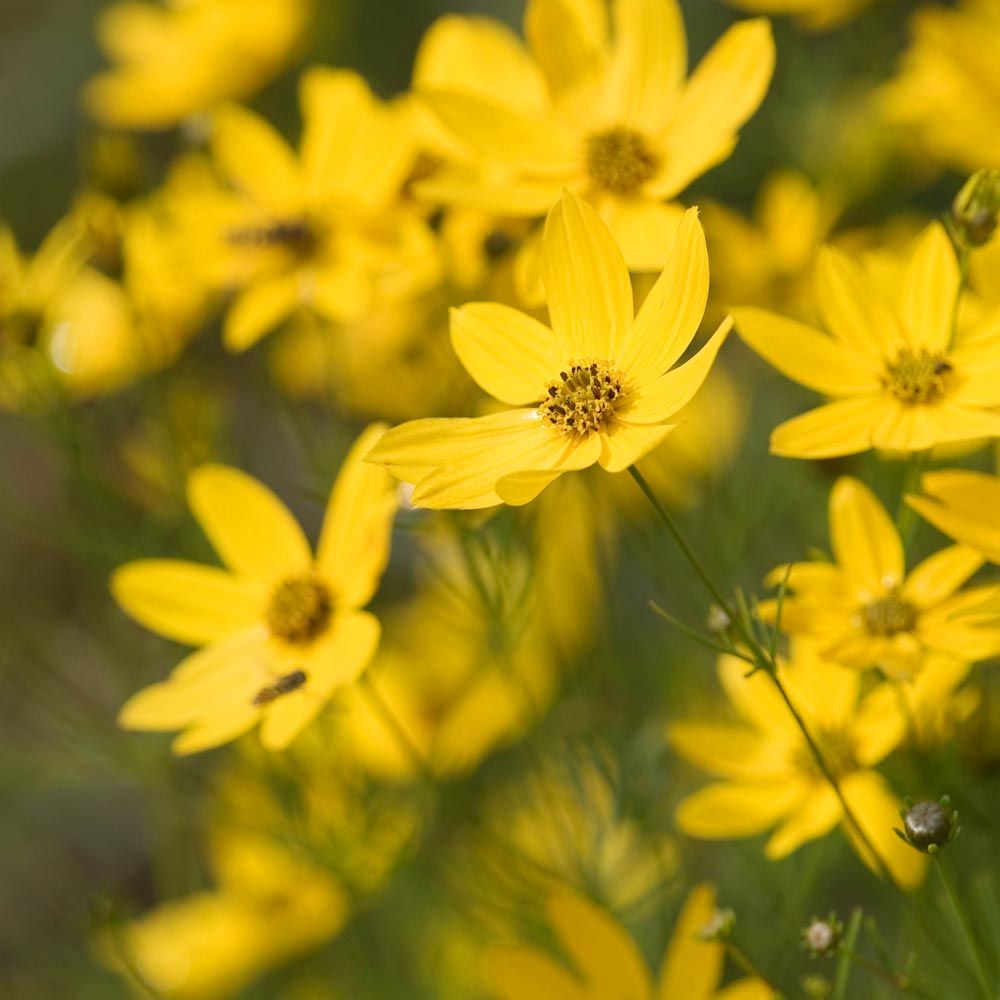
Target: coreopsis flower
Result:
[[768, 259], [815, 15], [282, 630], [610, 115], [322, 230], [865, 610], [964, 505], [901, 378], [598, 381], [175, 60], [769, 775], [945, 93], [606, 962]]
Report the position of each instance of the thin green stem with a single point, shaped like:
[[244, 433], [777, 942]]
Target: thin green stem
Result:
[[967, 929], [741, 959], [843, 974], [400, 732], [697, 637], [906, 516], [901, 982]]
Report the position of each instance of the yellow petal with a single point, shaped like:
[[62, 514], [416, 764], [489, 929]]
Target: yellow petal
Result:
[[605, 955], [255, 158], [963, 504], [930, 291], [814, 817], [259, 309], [510, 355], [865, 541], [355, 151], [755, 698], [518, 198], [727, 811], [852, 308], [357, 529], [880, 724], [527, 974], [722, 93], [479, 55], [905, 428], [519, 488], [840, 428], [806, 355], [941, 575], [950, 422], [626, 444], [566, 38], [586, 283], [672, 311], [723, 749], [977, 366], [746, 989], [250, 528], [185, 601], [663, 398], [877, 810], [692, 967], [649, 63], [644, 230], [215, 732], [506, 135]]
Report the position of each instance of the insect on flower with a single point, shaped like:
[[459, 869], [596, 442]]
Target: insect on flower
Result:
[[282, 686]]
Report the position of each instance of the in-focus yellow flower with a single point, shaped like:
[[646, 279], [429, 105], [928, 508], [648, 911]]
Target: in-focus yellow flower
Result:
[[601, 372], [901, 379], [816, 15], [282, 630], [609, 115], [769, 260], [322, 230], [946, 93], [965, 505], [770, 777], [177, 59], [605, 962], [864, 610]]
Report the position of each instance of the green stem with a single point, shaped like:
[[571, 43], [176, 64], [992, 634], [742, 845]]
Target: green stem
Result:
[[967, 928], [400, 732], [763, 658], [906, 516], [843, 974], [741, 959], [903, 983]]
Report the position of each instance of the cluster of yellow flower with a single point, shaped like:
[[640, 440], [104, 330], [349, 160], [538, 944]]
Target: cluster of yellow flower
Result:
[[519, 217]]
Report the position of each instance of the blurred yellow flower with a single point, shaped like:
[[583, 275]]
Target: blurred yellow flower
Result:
[[865, 610], [183, 57], [768, 260], [614, 120], [607, 963], [323, 230], [770, 777], [601, 372], [816, 15], [965, 505], [282, 630], [945, 95], [901, 378]]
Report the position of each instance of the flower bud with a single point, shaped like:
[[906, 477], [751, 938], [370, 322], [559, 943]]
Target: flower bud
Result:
[[928, 826], [720, 927], [718, 620], [821, 938], [816, 987], [976, 210]]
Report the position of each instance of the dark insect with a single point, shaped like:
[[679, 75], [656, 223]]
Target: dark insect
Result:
[[294, 233], [942, 368], [282, 686]]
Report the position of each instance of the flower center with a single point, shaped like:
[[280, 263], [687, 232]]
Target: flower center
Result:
[[888, 616], [299, 609], [583, 399], [917, 376], [619, 160], [837, 748]]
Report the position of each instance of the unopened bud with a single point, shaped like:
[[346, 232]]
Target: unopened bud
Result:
[[720, 927], [928, 826], [821, 938], [718, 620], [976, 210]]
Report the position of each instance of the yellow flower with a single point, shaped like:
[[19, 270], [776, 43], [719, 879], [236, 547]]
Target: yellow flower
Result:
[[865, 610], [282, 630], [770, 777], [900, 379], [612, 119], [606, 962], [816, 15], [768, 260], [600, 372], [945, 93], [322, 230], [964, 505], [176, 60]]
